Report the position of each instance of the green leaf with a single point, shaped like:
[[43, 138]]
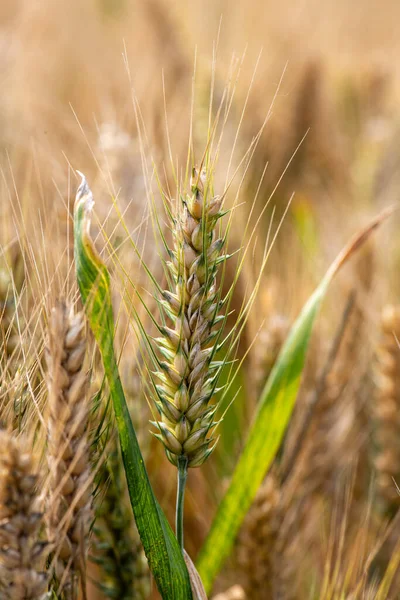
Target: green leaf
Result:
[[274, 410], [160, 545]]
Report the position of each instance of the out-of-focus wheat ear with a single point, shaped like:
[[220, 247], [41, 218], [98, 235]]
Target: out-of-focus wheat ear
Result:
[[69, 512], [318, 462], [327, 439], [387, 412], [236, 592], [320, 457], [256, 544], [116, 548], [22, 551], [288, 560]]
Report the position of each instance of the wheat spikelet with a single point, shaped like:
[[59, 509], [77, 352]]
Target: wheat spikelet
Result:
[[188, 373], [22, 553], [69, 512], [257, 542], [387, 411], [117, 547]]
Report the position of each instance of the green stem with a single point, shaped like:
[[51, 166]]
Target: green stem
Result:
[[180, 498]]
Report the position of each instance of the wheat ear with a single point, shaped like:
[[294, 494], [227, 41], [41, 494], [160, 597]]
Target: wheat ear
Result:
[[187, 372], [22, 553], [387, 411], [256, 544], [69, 513]]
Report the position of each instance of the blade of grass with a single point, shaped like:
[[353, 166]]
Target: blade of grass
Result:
[[274, 410], [160, 545]]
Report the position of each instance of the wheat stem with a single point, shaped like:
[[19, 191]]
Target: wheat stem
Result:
[[180, 497]]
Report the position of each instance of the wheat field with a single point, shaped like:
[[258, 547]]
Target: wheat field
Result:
[[157, 361]]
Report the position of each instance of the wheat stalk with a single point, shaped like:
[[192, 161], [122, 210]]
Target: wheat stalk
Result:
[[22, 553], [187, 372], [69, 513]]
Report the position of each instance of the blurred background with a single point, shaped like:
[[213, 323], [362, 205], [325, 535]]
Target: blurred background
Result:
[[107, 87]]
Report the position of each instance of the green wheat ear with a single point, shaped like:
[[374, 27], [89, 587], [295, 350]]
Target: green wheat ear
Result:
[[187, 372]]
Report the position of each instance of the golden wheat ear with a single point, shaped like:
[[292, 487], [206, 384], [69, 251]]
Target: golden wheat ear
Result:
[[387, 411], [69, 512], [22, 551]]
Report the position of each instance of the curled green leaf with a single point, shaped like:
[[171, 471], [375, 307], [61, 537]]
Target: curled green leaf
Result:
[[160, 545]]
